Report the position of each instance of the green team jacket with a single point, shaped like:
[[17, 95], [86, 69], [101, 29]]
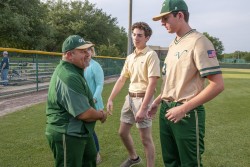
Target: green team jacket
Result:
[[68, 96]]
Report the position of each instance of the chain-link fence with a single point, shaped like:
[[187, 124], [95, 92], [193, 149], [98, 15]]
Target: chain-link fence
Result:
[[31, 70]]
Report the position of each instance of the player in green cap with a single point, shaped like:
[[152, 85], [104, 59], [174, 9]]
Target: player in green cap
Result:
[[190, 60]]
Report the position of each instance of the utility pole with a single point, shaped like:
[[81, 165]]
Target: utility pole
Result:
[[129, 46]]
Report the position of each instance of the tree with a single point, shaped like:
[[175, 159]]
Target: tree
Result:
[[82, 18], [108, 51], [22, 24], [241, 55], [218, 45], [32, 24]]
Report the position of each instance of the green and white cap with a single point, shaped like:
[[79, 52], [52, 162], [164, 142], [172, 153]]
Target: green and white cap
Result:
[[75, 42], [169, 6]]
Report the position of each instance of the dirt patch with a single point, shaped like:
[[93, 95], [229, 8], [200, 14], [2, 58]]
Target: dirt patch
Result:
[[13, 104], [17, 103]]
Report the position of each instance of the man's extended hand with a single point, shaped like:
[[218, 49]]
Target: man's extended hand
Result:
[[140, 116], [109, 107], [152, 110]]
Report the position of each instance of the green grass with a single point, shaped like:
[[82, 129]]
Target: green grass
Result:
[[227, 140]]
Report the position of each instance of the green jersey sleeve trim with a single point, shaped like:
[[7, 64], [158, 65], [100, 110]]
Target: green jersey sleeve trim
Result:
[[210, 71]]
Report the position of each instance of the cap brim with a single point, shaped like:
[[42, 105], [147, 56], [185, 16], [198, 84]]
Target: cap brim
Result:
[[157, 18], [85, 46]]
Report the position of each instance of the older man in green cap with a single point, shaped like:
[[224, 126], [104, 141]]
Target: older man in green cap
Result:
[[70, 109], [190, 60]]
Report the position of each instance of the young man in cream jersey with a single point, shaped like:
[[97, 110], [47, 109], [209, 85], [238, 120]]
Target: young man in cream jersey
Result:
[[190, 60]]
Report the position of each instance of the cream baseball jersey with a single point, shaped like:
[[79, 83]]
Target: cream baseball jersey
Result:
[[188, 62]]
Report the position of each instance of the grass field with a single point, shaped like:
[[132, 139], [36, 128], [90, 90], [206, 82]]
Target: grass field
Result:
[[227, 140]]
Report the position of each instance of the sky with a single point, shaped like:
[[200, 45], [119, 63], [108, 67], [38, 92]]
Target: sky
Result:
[[224, 19]]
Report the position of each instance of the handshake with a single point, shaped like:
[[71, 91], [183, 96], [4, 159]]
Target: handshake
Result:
[[104, 116]]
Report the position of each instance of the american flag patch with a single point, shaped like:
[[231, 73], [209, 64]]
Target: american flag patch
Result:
[[211, 53]]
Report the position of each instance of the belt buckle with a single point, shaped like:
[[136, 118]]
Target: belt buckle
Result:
[[136, 95]]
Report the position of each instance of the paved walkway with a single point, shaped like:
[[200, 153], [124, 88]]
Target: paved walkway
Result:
[[18, 102], [8, 90]]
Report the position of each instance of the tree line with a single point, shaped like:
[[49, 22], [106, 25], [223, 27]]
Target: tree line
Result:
[[44, 25], [238, 55], [218, 45]]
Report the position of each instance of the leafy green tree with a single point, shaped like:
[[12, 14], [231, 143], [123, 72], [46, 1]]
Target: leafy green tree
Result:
[[218, 45], [77, 17], [22, 24], [241, 55], [238, 55], [104, 50], [43, 25]]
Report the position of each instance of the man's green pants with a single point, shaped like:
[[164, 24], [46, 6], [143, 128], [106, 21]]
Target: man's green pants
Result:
[[71, 151], [182, 143]]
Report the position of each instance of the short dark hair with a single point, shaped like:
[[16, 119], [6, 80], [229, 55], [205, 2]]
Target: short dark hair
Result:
[[143, 26], [185, 13]]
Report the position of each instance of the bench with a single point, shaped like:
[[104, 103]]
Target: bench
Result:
[[28, 71], [41, 78]]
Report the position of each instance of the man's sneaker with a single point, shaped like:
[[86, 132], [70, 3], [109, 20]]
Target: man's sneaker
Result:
[[129, 162]]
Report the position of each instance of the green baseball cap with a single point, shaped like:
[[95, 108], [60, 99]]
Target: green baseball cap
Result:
[[169, 6], [75, 42]]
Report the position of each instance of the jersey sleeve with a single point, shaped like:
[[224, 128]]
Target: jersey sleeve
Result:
[[205, 57], [153, 65]]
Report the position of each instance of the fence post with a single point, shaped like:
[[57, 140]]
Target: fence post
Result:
[[36, 73]]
